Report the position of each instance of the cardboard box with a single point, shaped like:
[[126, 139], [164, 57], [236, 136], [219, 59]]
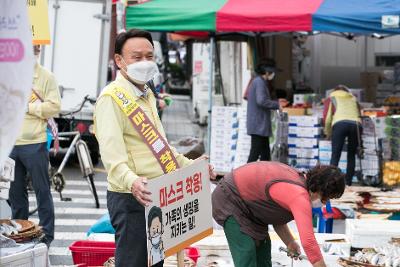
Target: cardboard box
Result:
[[304, 99], [305, 121], [369, 81], [303, 142], [308, 153], [325, 144], [5, 185], [311, 132], [295, 111], [4, 192], [303, 163]]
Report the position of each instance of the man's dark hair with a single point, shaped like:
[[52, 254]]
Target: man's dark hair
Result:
[[154, 213], [327, 180], [132, 33]]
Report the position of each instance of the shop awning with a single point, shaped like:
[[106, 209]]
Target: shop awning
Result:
[[353, 16]]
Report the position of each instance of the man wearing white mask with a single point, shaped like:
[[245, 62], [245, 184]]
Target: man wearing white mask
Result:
[[133, 145]]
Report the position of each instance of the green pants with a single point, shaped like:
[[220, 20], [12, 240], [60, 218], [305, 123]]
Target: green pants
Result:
[[246, 252]]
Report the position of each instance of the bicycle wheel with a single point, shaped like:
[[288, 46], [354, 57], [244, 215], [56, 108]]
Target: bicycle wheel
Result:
[[92, 188]]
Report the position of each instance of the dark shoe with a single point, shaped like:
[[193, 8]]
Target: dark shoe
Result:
[[46, 240]]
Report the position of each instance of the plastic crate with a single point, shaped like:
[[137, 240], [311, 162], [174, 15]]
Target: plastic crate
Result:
[[91, 253]]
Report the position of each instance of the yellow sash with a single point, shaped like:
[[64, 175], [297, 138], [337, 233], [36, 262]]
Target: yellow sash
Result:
[[146, 129]]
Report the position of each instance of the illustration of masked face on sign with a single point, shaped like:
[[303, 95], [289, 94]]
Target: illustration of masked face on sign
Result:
[[155, 231]]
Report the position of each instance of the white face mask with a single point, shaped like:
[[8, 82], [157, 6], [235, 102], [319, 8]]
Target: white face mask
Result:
[[155, 240], [271, 76], [141, 72], [317, 203]]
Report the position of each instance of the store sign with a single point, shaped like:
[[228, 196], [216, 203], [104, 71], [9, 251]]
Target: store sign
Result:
[[180, 213], [390, 22], [16, 71], [39, 18]]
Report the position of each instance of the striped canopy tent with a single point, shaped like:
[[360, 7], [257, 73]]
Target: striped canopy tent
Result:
[[350, 16], [219, 17]]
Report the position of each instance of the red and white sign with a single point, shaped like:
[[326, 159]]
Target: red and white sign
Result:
[[180, 213]]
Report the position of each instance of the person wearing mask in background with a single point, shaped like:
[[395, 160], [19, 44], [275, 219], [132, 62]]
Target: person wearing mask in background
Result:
[[259, 194], [30, 151], [259, 108], [342, 120], [131, 138]]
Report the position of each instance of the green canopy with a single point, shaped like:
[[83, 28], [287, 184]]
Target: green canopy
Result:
[[174, 15]]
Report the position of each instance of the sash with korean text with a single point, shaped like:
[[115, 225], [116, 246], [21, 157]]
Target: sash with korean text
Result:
[[146, 129]]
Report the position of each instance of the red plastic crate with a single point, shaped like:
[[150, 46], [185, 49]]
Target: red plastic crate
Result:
[[91, 253]]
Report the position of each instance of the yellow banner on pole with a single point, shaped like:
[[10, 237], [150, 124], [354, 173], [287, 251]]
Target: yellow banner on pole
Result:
[[39, 18]]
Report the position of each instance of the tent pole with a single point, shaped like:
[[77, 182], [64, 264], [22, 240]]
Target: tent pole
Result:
[[210, 92]]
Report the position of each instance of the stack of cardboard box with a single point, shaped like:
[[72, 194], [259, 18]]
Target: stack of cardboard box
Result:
[[304, 133], [224, 135]]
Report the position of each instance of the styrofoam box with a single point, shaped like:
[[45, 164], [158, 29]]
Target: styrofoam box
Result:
[[304, 121], [308, 153], [303, 142], [340, 249], [296, 131], [4, 193], [7, 170], [370, 233], [34, 257]]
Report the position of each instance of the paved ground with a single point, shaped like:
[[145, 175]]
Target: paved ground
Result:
[[73, 219]]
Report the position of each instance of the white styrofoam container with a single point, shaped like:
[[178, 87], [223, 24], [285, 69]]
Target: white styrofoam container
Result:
[[4, 193], [304, 121], [296, 131], [308, 153], [303, 142], [37, 256], [370, 233], [7, 170], [331, 251]]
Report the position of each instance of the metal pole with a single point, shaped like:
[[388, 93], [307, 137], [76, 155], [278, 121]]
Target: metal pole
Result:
[[56, 6], [210, 92], [105, 18]]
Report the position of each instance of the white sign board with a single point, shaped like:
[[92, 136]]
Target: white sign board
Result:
[[201, 79], [180, 213], [16, 71]]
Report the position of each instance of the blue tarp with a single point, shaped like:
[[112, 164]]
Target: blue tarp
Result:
[[357, 16]]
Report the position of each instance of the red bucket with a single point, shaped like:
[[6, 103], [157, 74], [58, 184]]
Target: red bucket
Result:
[[193, 253]]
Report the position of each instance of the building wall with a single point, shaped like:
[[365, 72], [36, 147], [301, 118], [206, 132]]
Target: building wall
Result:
[[337, 60]]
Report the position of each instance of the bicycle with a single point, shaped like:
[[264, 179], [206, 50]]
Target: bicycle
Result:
[[80, 147]]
